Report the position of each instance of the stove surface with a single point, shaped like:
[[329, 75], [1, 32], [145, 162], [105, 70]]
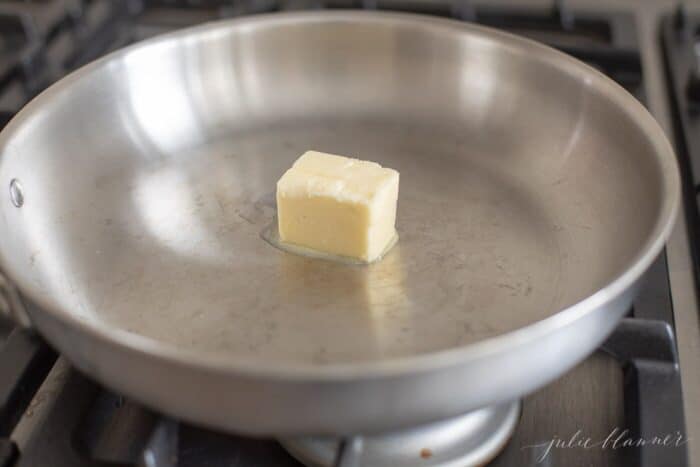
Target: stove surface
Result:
[[623, 406]]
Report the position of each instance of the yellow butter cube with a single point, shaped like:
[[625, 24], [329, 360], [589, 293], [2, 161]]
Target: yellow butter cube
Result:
[[338, 205]]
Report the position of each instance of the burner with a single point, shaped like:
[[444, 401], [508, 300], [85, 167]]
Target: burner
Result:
[[472, 439]]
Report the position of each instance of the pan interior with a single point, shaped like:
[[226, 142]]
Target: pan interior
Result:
[[149, 178]]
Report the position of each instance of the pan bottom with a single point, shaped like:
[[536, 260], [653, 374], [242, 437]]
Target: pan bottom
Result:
[[471, 439]]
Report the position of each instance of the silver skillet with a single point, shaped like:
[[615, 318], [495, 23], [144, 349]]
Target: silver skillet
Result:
[[535, 192]]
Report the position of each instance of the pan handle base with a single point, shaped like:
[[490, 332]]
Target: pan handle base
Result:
[[11, 304]]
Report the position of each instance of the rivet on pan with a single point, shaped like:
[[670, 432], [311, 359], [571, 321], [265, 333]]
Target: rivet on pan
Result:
[[16, 194]]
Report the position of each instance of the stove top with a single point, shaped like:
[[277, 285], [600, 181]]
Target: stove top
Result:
[[623, 406], [681, 43]]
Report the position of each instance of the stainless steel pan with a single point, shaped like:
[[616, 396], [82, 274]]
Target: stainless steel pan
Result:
[[535, 193]]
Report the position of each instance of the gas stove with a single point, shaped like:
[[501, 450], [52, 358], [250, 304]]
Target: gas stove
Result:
[[629, 404]]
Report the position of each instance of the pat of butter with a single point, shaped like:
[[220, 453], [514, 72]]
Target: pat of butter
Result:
[[337, 205]]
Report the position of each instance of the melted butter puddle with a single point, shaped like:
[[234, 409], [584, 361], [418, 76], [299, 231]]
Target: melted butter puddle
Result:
[[271, 235]]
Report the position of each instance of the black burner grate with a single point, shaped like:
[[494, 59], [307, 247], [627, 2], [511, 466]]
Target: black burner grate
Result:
[[25, 360]]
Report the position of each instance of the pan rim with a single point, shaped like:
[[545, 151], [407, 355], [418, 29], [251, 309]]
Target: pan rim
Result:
[[396, 366]]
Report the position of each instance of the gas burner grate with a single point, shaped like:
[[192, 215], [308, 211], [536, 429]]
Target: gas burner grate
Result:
[[680, 35], [25, 361]]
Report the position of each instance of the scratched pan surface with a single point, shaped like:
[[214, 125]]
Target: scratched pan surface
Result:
[[534, 193]]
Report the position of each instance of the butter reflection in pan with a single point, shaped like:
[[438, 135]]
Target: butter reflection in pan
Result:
[[349, 312]]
